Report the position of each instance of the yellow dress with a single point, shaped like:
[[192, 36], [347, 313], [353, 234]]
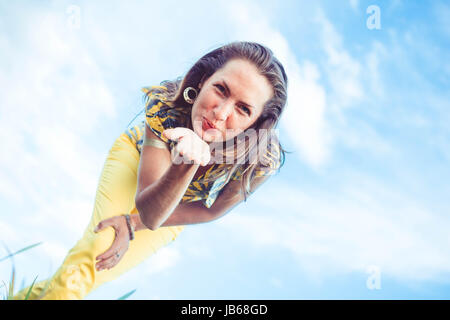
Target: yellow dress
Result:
[[115, 196]]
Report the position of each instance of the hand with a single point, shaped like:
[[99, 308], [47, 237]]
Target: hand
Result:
[[190, 147], [109, 258]]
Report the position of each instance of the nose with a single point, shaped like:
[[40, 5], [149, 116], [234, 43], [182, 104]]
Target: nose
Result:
[[222, 111]]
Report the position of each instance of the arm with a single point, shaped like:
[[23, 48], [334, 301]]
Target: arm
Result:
[[161, 184], [195, 212], [231, 195], [158, 201], [185, 213]]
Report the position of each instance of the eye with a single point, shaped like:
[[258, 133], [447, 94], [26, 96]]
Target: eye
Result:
[[246, 110], [221, 88]]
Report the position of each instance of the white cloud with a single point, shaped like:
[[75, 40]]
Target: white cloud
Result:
[[68, 215], [352, 82], [53, 251], [354, 4], [362, 136], [343, 71], [362, 225], [304, 115], [319, 93], [363, 222], [63, 148], [52, 94], [7, 233], [162, 260], [56, 81], [304, 119], [372, 61]]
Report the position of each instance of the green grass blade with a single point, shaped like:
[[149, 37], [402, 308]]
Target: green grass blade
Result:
[[21, 250], [126, 295], [29, 290], [11, 284]]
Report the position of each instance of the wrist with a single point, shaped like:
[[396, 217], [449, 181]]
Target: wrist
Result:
[[129, 226], [185, 167], [136, 222]]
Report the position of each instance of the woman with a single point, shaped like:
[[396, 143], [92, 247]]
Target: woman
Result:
[[174, 168]]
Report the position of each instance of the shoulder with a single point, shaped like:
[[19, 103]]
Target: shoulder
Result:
[[161, 114]]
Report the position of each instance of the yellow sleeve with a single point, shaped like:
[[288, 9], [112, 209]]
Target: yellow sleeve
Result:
[[159, 116]]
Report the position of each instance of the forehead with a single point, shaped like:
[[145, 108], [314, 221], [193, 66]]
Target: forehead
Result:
[[245, 82]]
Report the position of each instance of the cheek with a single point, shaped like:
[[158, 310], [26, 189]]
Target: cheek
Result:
[[208, 100], [233, 131], [236, 123], [198, 109], [194, 111]]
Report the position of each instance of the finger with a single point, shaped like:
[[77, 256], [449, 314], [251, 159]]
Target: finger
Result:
[[102, 225], [205, 161], [183, 153], [108, 253], [107, 259], [107, 266], [108, 263], [176, 157], [121, 239], [175, 133], [115, 247], [187, 149], [103, 264], [113, 262]]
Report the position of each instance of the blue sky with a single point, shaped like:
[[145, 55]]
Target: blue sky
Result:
[[360, 209]]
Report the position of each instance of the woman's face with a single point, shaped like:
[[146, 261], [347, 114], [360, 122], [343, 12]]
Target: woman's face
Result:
[[230, 101]]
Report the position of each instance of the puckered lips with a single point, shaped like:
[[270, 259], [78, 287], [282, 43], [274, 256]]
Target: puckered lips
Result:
[[206, 125]]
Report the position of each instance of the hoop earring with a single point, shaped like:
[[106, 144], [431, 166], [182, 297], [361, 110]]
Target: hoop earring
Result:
[[186, 95]]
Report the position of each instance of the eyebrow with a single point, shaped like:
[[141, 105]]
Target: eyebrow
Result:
[[228, 89]]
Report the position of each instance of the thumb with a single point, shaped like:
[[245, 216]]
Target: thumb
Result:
[[102, 225]]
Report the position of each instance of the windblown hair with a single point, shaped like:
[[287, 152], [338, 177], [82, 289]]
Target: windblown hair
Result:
[[269, 67]]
